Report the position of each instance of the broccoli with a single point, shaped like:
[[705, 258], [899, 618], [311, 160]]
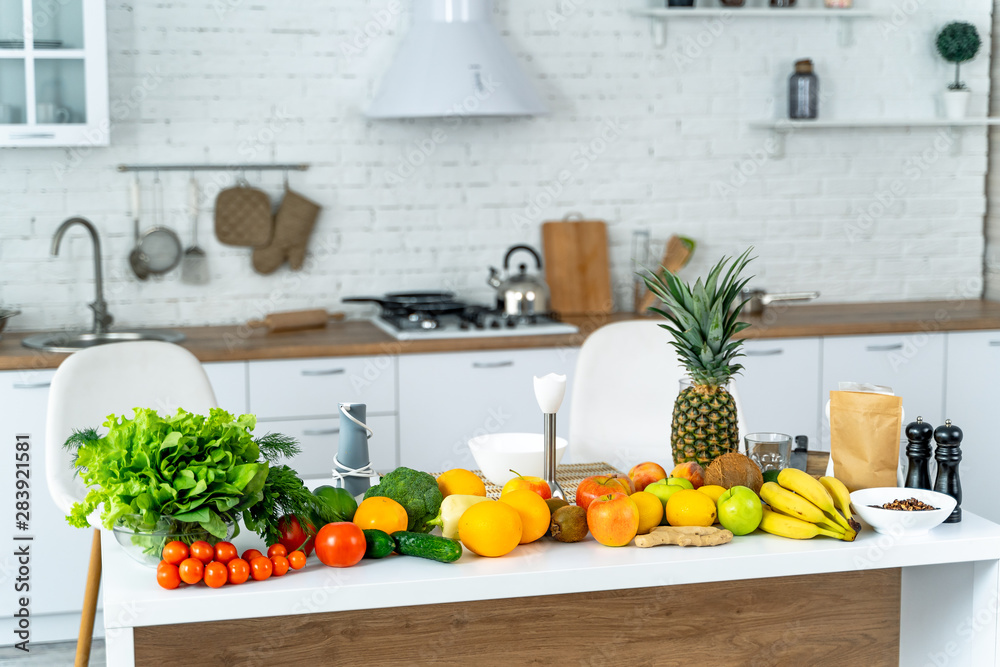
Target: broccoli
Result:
[[416, 491]]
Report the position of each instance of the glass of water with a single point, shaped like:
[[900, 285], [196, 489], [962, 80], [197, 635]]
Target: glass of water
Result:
[[770, 451]]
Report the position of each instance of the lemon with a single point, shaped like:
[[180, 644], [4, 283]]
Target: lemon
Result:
[[462, 482], [650, 511], [534, 513], [490, 528], [688, 507], [713, 491]]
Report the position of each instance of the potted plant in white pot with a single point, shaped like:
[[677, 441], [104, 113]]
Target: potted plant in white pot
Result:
[[957, 43]]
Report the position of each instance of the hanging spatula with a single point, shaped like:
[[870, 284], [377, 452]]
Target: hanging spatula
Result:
[[194, 265]]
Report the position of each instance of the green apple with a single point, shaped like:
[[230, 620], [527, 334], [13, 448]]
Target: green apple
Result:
[[740, 510], [680, 481], [663, 489]]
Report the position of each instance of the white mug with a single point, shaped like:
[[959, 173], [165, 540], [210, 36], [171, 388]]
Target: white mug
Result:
[[48, 113]]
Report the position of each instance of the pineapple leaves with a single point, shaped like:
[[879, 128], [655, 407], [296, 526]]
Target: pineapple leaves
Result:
[[703, 318]]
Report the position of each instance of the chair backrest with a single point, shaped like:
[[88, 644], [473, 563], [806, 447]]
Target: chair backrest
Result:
[[115, 379], [627, 379]]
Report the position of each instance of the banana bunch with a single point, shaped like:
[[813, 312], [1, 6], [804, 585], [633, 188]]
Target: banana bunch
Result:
[[801, 507]]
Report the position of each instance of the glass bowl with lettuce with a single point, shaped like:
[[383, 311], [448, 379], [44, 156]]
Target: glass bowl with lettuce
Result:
[[154, 479]]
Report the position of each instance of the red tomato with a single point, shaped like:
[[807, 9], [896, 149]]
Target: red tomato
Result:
[[279, 564], [277, 550], [261, 568], [239, 571], [250, 554], [296, 560], [225, 552], [340, 544], [296, 534], [174, 552], [203, 551], [191, 570], [167, 575], [216, 575]]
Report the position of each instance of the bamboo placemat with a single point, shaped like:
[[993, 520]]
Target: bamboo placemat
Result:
[[569, 477]]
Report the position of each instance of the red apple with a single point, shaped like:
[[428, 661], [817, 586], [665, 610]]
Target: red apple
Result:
[[613, 519], [535, 484], [643, 474], [690, 471], [602, 485]]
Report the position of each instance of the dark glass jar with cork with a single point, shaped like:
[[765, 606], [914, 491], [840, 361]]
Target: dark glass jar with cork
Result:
[[803, 92]]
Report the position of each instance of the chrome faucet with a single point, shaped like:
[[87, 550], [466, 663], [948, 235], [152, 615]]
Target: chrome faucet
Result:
[[102, 318]]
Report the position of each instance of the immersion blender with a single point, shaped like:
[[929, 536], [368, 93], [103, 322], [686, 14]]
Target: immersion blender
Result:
[[549, 392]]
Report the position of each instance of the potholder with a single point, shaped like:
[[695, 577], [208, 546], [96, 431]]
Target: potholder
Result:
[[243, 217], [292, 226]]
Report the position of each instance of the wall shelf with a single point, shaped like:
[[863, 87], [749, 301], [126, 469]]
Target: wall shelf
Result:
[[783, 127], [661, 15]]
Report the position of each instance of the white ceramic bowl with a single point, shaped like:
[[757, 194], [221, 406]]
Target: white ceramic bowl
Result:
[[899, 522], [497, 454]]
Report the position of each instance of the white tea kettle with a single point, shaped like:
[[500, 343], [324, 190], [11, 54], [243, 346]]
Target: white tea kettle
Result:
[[522, 294]]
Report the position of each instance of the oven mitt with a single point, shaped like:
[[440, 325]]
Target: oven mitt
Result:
[[292, 226]]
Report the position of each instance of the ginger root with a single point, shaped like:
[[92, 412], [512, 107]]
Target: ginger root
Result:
[[685, 536]]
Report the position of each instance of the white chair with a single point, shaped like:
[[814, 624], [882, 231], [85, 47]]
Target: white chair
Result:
[[105, 380], [627, 379]]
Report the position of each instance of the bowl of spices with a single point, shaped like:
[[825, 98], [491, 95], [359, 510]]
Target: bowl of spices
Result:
[[900, 511]]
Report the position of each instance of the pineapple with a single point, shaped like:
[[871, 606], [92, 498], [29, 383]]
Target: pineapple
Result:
[[703, 321]]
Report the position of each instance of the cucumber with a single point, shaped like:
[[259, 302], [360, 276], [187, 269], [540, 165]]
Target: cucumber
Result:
[[378, 544], [422, 545]]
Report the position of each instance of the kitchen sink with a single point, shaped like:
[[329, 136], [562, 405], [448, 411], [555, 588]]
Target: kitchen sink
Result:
[[73, 341]]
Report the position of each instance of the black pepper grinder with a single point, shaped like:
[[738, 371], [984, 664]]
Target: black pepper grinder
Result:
[[918, 453], [948, 455]]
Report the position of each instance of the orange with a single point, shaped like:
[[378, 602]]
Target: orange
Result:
[[535, 515], [490, 528], [690, 508], [382, 513], [713, 491], [650, 510], [462, 482]]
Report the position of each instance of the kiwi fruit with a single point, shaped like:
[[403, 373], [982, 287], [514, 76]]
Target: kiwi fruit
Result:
[[555, 503], [569, 524]]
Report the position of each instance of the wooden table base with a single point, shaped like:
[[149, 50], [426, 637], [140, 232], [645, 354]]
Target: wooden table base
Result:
[[847, 618]]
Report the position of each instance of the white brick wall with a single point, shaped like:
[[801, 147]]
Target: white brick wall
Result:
[[229, 80]]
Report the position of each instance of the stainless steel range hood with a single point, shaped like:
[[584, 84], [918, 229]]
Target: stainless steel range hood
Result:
[[453, 63]]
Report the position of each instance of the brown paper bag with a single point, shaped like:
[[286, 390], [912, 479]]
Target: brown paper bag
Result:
[[864, 438]]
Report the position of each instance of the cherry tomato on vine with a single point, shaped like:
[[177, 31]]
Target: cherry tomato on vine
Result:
[[216, 575], [167, 575], [277, 550], [239, 571], [203, 551], [175, 552], [225, 552], [261, 568], [296, 560], [191, 570], [250, 554], [340, 544], [279, 565]]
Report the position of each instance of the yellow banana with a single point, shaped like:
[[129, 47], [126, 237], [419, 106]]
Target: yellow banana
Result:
[[809, 488], [841, 496], [789, 503], [825, 524], [796, 529]]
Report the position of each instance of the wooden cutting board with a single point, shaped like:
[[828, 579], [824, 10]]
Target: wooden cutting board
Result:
[[576, 266]]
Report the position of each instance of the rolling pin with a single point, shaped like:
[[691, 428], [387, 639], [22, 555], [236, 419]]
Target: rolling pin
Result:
[[295, 320]]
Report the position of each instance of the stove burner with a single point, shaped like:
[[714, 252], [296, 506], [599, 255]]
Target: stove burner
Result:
[[469, 320]]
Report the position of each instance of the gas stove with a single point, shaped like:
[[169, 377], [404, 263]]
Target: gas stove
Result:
[[471, 322]]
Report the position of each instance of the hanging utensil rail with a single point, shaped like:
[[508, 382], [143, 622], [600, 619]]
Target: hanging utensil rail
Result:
[[300, 166]]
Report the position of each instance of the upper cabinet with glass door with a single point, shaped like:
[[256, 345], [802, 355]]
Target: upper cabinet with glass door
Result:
[[53, 73]]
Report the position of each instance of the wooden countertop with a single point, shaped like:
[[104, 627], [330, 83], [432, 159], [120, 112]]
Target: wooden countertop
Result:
[[361, 338]]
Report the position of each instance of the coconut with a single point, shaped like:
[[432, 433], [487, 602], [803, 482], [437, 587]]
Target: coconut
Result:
[[734, 469]]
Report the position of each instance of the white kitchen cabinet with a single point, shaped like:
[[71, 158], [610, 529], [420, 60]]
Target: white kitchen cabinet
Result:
[[447, 399], [971, 390], [59, 552], [54, 73], [780, 386], [229, 382], [319, 439], [913, 364], [313, 387]]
